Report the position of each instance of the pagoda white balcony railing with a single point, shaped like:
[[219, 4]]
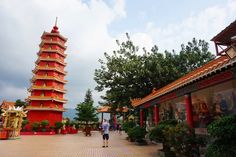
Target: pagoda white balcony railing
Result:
[[50, 59], [49, 50], [47, 98], [45, 108], [46, 88], [37, 77], [47, 68]]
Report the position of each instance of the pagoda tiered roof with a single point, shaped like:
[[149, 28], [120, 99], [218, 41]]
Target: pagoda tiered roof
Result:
[[46, 88], [52, 42], [53, 34], [49, 68], [47, 98], [58, 79], [51, 51], [36, 108], [50, 59]]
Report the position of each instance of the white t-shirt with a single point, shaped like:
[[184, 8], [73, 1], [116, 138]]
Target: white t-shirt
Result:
[[105, 127]]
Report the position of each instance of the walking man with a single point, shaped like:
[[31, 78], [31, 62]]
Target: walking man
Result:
[[105, 133]]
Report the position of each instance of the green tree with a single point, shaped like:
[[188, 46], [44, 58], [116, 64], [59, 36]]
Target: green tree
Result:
[[193, 55], [85, 110], [20, 103], [127, 74]]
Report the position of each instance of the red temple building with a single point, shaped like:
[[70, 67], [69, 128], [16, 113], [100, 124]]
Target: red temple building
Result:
[[47, 85], [199, 97]]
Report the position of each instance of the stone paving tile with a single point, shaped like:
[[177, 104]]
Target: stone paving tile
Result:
[[74, 146]]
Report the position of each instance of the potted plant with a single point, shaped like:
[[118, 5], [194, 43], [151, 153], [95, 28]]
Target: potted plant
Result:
[[24, 123], [224, 133], [52, 128], [35, 126], [127, 125], [137, 134], [183, 140], [44, 124], [58, 126], [158, 134]]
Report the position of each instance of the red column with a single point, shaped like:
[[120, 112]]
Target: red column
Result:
[[156, 115], [188, 104], [141, 117]]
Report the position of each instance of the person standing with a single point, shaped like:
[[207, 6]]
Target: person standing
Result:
[[105, 133]]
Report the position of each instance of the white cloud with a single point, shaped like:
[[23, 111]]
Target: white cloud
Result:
[[203, 25], [85, 25]]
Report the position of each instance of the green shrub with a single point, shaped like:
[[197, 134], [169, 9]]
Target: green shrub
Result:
[[58, 125], [183, 139], [44, 124], [224, 133], [136, 133], [35, 126], [158, 133], [127, 125], [24, 123]]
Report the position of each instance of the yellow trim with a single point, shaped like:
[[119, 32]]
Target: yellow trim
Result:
[[52, 42], [54, 34], [46, 88], [45, 98], [52, 50], [49, 68], [50, 59], [45, 109], [36, 77]]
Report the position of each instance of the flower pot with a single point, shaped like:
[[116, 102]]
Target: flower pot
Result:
[[3, 135], [58, 131]]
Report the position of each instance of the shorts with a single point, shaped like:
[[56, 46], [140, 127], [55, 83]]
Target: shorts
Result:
[[105, 136]]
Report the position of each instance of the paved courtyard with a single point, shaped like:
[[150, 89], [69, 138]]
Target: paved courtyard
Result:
[[74, 146]]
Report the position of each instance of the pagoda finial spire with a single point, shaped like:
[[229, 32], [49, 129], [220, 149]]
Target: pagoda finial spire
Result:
[[56, 22], [55, 28]]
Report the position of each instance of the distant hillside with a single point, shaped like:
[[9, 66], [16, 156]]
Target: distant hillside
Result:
[[70, 113]]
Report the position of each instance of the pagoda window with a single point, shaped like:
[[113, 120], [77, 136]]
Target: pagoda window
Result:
[[41, 105], [44, 84], [42, 94], [46, 74], [49, 47]]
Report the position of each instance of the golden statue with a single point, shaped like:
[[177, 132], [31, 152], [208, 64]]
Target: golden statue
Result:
[[12, 118]]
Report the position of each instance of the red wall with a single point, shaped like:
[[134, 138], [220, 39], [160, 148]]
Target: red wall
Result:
[[38, 116]]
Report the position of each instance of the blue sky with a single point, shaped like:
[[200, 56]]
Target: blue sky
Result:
[[92, 26]]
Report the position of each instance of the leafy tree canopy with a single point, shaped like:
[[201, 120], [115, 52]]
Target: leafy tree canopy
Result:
[[20, 103], [125, 74]]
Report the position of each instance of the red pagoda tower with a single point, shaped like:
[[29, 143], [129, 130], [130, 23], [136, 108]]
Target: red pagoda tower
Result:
[[47, 85]]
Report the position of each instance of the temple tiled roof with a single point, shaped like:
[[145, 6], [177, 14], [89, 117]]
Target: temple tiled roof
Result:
[[208, 68], [6, 104], [104, 109], [224, 37]]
